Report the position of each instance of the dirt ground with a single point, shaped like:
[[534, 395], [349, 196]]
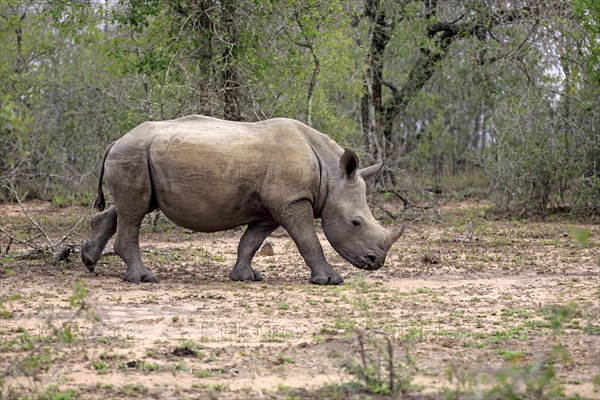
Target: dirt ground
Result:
[[467, 302]]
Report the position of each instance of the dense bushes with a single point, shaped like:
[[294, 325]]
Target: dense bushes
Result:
[[545, 155]]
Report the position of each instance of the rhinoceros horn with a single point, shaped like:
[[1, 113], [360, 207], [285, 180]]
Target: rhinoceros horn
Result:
[[394, 235]]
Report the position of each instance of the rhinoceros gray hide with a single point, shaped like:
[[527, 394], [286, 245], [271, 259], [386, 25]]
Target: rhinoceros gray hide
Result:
[[210, 175]]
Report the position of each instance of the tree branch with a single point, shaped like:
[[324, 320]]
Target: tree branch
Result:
[[514, 52], [308, 43], [444, 34]]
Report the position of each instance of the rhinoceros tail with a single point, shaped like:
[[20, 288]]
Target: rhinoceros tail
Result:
[[100, 202]]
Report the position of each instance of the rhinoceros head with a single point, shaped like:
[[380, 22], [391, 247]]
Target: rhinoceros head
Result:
[[347, 221]]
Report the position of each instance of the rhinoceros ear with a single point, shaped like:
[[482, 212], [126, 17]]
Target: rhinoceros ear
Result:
[[349, 163], [371, 172]]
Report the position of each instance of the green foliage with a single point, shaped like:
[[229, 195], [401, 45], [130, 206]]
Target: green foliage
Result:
[[15, 126], [588, 13], [138, 13], [581, 236], [74, 76], [537, 165]]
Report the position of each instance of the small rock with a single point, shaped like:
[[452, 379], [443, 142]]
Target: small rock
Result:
[[267, 250]]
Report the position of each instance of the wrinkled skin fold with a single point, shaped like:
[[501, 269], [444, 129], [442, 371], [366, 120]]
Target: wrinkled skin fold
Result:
[[210, 175]]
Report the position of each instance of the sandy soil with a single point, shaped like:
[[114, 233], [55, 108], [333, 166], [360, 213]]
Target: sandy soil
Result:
[[464, 297]]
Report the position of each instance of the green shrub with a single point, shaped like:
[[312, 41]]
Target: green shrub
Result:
[[538, 164]]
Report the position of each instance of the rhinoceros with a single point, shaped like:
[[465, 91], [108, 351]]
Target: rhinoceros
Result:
[[210, 175]]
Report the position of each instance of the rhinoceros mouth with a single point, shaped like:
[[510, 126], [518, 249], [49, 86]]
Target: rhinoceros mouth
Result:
[[368, 261]]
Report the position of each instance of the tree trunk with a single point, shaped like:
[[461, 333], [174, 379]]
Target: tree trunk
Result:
[[372, 100], [231, 84]]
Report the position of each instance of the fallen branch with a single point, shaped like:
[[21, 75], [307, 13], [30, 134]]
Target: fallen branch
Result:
[[9, 185], [14, 239], [59, 250]]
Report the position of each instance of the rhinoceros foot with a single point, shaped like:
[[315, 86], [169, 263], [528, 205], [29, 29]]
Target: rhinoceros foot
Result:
[[245, 273], [89, 255], [137, 277], [328, 279]]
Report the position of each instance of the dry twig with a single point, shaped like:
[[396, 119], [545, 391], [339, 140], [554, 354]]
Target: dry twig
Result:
[[59, 250]]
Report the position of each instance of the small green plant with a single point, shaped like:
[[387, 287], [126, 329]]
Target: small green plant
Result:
[[86, 198], [53, 393], [143, 365], [212, 295], [59, 200], [282, 359], [133, 389], [203, 374], [4, 313], [581, 236], [67, 333], [377, 368], [220, 387], [360, 284], [77, 301], [37, 362], [287, 391], [559, 315], [100, 365], [537, 380], [512, 356], [189, 348]]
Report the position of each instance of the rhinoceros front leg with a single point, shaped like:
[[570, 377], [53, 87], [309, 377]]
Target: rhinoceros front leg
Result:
[[298, 220], [255, 235], [104, 225]]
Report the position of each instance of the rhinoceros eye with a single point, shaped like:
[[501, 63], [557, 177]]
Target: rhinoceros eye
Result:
[[356, 223]]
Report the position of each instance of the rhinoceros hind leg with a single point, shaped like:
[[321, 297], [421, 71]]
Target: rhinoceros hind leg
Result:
[[127, 246], [104, 226], [251, 240], [129, 180]]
